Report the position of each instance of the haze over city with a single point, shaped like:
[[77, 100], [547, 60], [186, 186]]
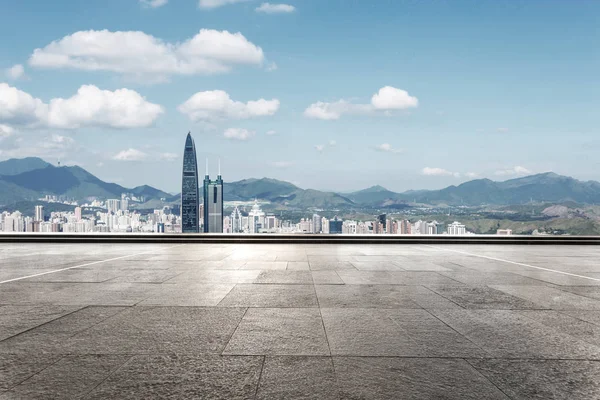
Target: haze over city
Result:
[[332, 95]]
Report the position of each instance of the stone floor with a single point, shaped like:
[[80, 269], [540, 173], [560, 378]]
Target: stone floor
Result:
[[239, 321]]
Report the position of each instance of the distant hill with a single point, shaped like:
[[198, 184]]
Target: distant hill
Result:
[[31, 178], [282, 193], [71, 182], [373, 196], [545, 187], [16, 166]]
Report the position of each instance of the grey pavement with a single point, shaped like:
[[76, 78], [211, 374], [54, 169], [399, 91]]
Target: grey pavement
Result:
[[304, 321]]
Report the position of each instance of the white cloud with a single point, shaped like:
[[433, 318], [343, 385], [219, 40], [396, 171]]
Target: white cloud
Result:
[[282, 164], [49, 147], [502, 130], [386, 147], [390, 98], [168, 156], [210, 4], [269, 8], [142, 56], [271, 133], [332, 143], [216, 104], [320, 147], [238, 134], [91, 106], [515, 171], [100, 164], [153, 3], [271, 67], [15, 72], [428, 171], [130, 155], [386, 99], [471, 175], [5, 131]]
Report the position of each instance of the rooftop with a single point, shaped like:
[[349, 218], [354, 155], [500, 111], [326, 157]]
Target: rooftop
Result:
[[299, 320]]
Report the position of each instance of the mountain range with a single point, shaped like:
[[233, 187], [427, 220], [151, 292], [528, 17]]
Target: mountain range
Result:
[[28, 179]]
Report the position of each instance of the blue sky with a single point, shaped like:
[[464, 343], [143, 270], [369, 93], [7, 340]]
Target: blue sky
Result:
[[494, 89]]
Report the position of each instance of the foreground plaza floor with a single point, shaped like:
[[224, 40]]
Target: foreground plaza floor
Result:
[[267, 321]]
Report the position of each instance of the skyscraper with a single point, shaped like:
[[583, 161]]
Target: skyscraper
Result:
[[39, 213], [213, 203], [190, 217]]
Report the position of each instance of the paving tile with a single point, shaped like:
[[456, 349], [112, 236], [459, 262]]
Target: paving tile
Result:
[[183, 377], [199, 295], [546, 379], [104, 294], [50, 337], [276, 331], [16, 368], [558, 278], [215, 276], [146, 330], [331, 265], [297, 377], [493, 278], [243, 295], [71, 377], [509, 334], [403, 333], [592, 292], [411, 378], [394, 278], [262, 265], [17, 319], [298, 266], [285, 277], [326, 278], [551, 298], [482, 297], [364, 296], [570, 325], [376, 266]]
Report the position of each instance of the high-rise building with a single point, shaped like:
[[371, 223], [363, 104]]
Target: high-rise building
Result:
[[190, 216], [113, 205], [236, 221], [78, 214], [213, 203], [39, 213], [382, 219], [317, 228], [335, 225], [456, 228]]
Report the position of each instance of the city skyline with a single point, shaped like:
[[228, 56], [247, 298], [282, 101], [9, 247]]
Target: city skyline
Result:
[[291, 84]]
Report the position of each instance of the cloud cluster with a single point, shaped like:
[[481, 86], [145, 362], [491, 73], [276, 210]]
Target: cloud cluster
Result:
[[139, 55], [432, 171], [153, 3], [385, 100], [217, 105], [15, 72], [387, 148], [269, 8], [238, 134], [282, 164], [53, 146], [210, 4], [514, 171], [90, 106], [130, 155]]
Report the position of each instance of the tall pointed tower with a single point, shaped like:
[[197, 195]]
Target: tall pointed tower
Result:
[[190, 216]]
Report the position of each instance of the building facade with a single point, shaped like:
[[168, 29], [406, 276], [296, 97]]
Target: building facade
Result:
[[213, 204], [190, 216]]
